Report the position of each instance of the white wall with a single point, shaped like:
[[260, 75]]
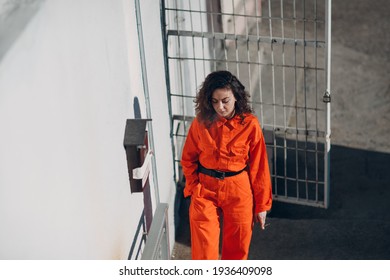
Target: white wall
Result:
[[66, 89]]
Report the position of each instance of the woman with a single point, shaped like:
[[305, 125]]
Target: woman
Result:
[[225, 164]]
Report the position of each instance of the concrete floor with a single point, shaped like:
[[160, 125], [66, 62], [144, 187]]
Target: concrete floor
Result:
[[357, 223]]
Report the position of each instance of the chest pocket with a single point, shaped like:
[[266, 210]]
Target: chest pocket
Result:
[[239, 152], [207, 149]]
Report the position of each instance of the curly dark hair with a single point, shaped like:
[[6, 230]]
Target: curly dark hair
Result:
[[220, 80]]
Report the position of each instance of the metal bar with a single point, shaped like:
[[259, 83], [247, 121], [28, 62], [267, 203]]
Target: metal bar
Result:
[[293, 179], [316, 102], [290, 106], [183, 118], [242, 62], [178, 61], [248, 50], [167, 71], [235, 41], [212, 33], [224, 46], [182, 95], [237, 14], [284, 100], [193, 44], [250, 38], [157, 240], [298, 201], [259, 66], [285, 106], [141, 224], [328, 32], [273, 92], [279, 146], [296, 103], [305, 98], [201, 29], [277, 129], [146, 93]]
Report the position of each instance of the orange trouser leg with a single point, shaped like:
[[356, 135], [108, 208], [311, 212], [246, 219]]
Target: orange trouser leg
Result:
[[234, 196], [237, 219], [205, 229]]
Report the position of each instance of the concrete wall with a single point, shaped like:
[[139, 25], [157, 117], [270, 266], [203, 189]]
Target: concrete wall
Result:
[[67, 84]]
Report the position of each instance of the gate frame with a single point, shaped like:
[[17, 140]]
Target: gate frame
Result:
[[326, 99]]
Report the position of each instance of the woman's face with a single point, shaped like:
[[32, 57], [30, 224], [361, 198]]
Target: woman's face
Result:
[[223, 102]]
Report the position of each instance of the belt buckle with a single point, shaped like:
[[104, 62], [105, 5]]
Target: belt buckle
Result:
[[219, 174]]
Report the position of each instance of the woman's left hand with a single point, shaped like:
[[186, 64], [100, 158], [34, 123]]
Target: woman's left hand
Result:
[[261, 218]]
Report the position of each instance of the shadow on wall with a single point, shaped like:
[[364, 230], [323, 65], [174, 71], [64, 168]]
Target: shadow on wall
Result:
[[14, 17], [355, 226]]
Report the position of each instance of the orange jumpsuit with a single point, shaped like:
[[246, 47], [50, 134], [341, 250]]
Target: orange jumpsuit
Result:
[[227, 145]]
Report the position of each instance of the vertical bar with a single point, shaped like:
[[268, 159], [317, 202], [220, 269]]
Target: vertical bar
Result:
[[193, 43], [316, 93], [201, 29], [235, 41], [273, 92], [296, 100], [328, 28], [167, 80], [259, 62], [180, 70], [157, 243], [147, 96], [247, 49], [211, 13], [305, 96], [224, 42], [284, 99]]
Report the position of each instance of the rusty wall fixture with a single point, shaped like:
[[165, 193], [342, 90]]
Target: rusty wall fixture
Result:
[[137, 148]]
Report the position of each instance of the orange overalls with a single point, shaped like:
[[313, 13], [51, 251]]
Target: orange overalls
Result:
[[227, 145]]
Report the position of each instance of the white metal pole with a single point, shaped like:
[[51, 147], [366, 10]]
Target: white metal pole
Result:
[[327, 99]]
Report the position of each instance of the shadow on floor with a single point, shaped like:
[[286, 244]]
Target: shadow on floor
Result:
[[355, 226]]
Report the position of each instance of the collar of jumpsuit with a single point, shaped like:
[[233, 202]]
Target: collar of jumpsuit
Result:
[[231, 123]]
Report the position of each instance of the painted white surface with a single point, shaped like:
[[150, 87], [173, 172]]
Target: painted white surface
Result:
[[66, 89]]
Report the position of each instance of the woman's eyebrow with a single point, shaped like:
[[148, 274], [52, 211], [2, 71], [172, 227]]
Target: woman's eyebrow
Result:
[[223, 99]]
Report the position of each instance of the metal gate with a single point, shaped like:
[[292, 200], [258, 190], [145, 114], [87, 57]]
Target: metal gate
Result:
[[280, 50]]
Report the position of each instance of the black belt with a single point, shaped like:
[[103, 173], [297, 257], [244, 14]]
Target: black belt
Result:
[[218, 174]]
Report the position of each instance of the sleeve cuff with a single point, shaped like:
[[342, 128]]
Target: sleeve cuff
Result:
[[261, 208]]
